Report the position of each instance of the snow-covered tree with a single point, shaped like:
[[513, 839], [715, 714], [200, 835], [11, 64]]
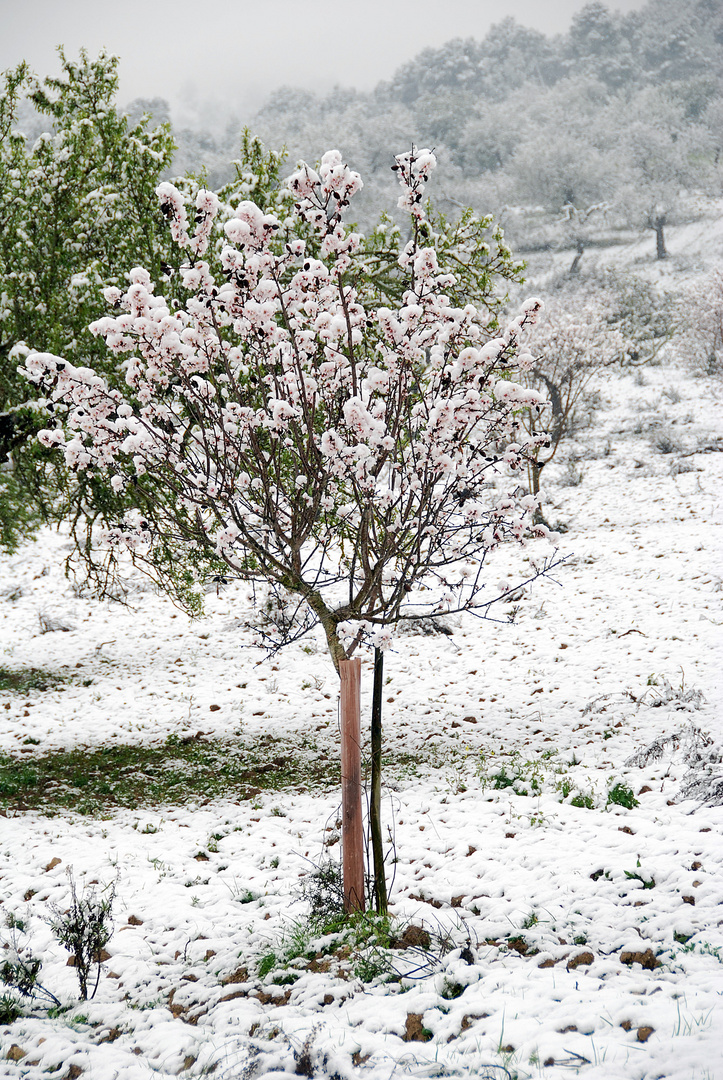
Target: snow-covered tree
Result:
[[660, 158], [570, 347]]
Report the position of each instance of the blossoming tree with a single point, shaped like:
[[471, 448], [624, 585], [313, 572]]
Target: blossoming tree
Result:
[[285, 427]]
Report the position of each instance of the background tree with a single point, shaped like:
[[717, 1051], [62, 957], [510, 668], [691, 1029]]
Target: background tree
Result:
[[77, 208], [572, 345], [663, 157], [359, 459]]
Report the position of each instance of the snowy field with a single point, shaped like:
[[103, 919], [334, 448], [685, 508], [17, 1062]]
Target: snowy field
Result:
[[566, 934]]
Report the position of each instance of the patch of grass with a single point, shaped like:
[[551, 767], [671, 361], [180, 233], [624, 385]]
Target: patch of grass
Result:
[[10, 1009], [583, 801], [267, 964], [23, 680], [180, 770]]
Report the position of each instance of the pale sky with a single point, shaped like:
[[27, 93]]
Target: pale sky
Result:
[[237, 52]]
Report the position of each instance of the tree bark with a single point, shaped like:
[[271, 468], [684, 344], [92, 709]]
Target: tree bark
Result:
[[658, 226], [352, 833], [575, 268], [375, 806]]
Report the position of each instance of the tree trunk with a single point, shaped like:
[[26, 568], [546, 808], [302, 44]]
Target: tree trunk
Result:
[[536, 468], [658, 226], [352, 832], [375, 805], [575, 268]]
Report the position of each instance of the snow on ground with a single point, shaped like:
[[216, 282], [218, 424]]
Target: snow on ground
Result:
[[530, 901]]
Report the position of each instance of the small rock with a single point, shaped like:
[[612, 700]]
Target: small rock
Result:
[[133, 920], [214, 708], [582, 959], [414, 1030], [233, 995], [469, 1018], [15, 1053], [414, 937], [689, 900], [646, 959], [241, 975], [644, 790], [52, 864], [644, 1033], [99, 958], [626, 1025]]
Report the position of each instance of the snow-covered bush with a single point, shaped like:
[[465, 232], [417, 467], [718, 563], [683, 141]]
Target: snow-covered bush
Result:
[[701, 338]]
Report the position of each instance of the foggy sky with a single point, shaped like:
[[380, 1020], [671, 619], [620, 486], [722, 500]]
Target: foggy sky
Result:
[[236, 52]]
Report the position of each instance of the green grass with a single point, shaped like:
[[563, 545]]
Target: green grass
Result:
[[23, 680], [178, 771]]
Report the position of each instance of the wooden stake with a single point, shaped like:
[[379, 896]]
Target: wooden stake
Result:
[[352, 831], [375, 803]]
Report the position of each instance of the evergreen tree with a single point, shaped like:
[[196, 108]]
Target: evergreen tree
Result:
[[77, 210]]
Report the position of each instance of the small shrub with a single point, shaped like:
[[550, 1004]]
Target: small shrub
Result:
[[20, 968], [323, 890], [585, 802], [10, 1009], [573, 475], [21, 972], [502, 780], [84, 930], [666, 443], [622, 795]]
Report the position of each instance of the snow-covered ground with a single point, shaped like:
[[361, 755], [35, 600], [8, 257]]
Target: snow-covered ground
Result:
[[531, 902]]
